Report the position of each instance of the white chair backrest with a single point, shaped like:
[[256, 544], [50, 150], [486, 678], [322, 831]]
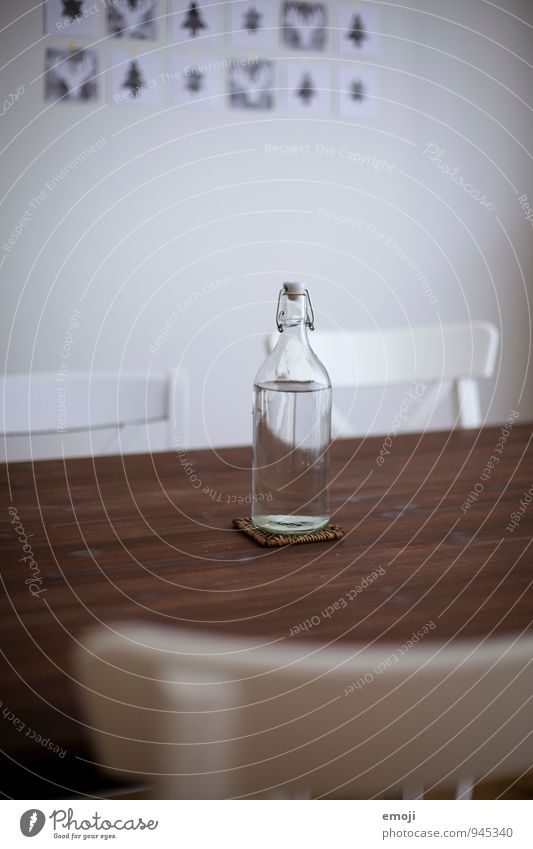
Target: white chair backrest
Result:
[[207, 716], [451, 357], [46, 403]]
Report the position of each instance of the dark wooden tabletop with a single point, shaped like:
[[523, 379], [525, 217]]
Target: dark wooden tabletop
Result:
[[150, 538]]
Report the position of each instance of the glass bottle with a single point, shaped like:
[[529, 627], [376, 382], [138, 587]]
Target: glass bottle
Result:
[[292, 426]]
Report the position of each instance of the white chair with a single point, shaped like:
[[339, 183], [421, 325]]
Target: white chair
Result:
[[450, 357], [198, 715], [42, 404]]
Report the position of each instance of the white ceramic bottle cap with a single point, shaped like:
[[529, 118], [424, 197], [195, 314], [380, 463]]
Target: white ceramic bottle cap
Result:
[[294, 288]]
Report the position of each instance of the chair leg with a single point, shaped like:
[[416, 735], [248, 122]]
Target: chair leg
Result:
[[413, 791], [464, 787], [468, 403], [199, 723]]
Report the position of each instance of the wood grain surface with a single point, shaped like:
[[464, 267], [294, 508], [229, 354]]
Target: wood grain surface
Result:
[[150, 538]]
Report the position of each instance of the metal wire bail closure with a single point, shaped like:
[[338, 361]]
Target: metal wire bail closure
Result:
[[309, 312]]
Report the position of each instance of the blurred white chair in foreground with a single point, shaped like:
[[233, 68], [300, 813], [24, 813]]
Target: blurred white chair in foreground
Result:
[[199, 715], [109, 408], [450, 358]]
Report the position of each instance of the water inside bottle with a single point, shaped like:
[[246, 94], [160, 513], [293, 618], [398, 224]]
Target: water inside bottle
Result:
[[291, 439]]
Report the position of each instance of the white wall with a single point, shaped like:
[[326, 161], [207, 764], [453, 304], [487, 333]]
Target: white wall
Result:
[[173, 200]]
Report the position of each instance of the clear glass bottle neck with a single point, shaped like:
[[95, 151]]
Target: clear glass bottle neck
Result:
[[292, 316], [293, 359]]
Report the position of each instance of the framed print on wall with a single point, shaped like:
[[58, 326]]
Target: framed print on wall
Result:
[[70, 75], [357, 26], [253, 24], [356, 91], [73, 18], [135, 79], [251, 83], [197, 82], [304, 25], [134, 19], [198, 21], [308, 88]]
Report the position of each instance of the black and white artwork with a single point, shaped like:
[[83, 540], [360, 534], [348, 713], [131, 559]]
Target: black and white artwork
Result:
[[135, 79], [308, 89], [197, 21], [133, 19], [250, 83], [357, 29], [70, 75], [73, 18], [304, 25], [253, 24], [356, 92], [198, 83]]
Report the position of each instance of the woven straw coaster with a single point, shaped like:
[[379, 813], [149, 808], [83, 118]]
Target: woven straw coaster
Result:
[[246, 525]]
